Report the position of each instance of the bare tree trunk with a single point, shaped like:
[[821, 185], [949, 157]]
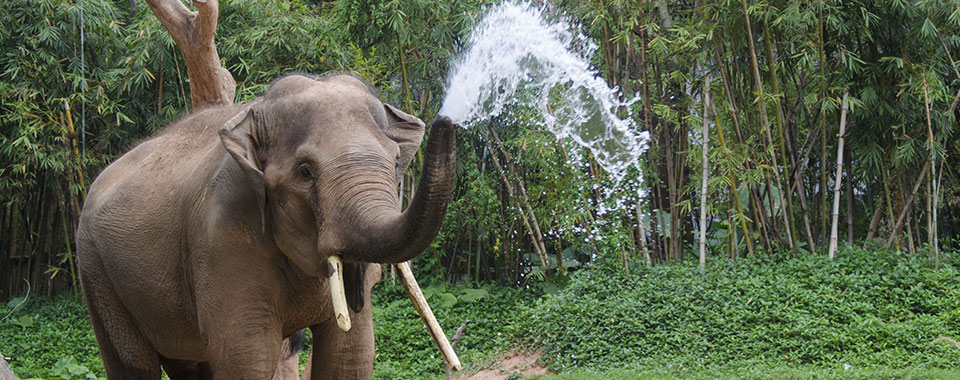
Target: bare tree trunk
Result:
[[210, 83], [875, 220], [703, 185], [837, 181], [906, 205], [642, 239], [661, 6], [934, 184], [848, 185], [911, 235]]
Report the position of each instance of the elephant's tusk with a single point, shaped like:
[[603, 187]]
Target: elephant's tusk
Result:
[[423, 309], [337, 295]]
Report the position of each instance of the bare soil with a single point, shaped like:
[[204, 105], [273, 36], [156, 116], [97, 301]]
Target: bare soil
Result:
[[522, 362]]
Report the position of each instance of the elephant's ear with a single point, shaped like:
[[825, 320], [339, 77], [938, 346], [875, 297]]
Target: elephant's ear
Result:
[[406, 130], [236, 136]]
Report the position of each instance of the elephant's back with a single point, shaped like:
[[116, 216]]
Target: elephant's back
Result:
[[163, 166]]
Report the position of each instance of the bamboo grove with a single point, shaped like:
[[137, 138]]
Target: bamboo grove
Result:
[[745, 102]]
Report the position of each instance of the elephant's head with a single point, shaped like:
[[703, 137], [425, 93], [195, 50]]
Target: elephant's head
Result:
[[324, 155]]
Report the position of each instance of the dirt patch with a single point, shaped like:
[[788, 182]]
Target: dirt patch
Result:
[[524, 363]]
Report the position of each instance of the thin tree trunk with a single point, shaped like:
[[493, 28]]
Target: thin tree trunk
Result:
[[848, 185], [760, 215], [674, 199], [76, 155], [906, 205], [71, 178], [774, 81], [765, 125], [506, 181], [839, 179], [936, 204], [932, 207], [823, 128], [929, 212], [875, 220], [642, 238], [734, 191], [648, 126], [703, 185], [523, 191], [661, 6], [912, 225], [403, 73]]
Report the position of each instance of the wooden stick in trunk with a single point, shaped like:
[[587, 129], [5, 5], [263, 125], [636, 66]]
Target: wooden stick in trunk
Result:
[[426, 314]]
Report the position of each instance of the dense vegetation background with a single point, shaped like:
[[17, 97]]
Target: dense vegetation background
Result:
[[774, 83]]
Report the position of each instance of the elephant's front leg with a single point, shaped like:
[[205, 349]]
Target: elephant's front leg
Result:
[[346, 355], [243, 347]]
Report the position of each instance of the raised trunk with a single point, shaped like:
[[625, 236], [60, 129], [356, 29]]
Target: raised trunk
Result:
[[397, 237]]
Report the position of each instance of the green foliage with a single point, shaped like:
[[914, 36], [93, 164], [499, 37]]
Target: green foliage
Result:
[[59, 344], [405, 349], [67, 368], [865, 309], [747, 371]]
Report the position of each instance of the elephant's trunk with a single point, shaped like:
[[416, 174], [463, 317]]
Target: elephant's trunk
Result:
[[398, 237]]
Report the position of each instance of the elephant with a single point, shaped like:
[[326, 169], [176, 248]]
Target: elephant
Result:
[[206, 245]]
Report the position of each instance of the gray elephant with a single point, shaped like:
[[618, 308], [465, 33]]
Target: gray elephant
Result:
[[205, 246]]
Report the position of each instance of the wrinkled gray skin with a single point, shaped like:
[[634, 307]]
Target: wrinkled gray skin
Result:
[[205, 246]]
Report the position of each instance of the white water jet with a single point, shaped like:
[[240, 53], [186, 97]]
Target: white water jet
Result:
[[514, 54]]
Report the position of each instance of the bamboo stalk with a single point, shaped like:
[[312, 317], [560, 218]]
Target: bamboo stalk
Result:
[[765, 122], [703, 185], [848, 185], [906, 205], [823, 125], [523, 191], [523, 215], [76, 154], [642, 239], [775, 82], [839, 179], [932, 215], [734, 192]]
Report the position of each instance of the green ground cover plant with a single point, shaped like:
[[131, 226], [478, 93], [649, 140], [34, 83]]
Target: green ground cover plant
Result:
[[53, 339], [866, 315], [866, 309], [58, 343]]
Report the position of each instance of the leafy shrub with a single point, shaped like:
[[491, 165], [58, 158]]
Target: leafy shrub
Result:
[[59, 343], [863, 309], [405, 349]]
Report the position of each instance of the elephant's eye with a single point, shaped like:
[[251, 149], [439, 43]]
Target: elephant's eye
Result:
[[305, 172]]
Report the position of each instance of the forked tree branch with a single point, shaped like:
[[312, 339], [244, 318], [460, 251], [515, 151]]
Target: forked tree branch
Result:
[[193, 31]]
